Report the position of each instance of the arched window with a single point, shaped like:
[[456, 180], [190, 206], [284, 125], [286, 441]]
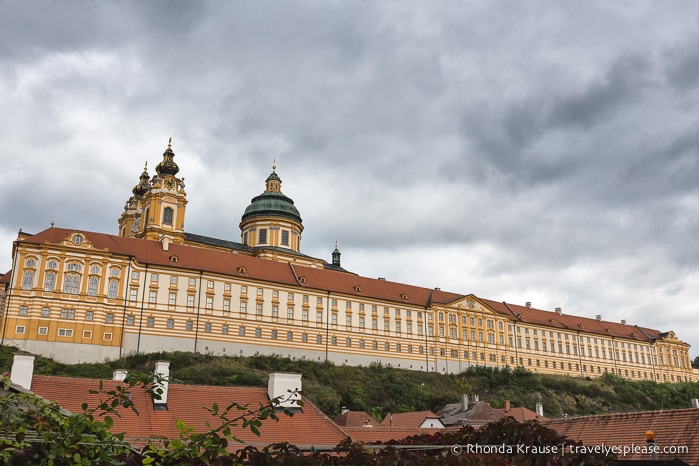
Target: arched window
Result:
[[167, 216], [113, 286], [92, 287], [27, 280], [50, 282], [71, 284]]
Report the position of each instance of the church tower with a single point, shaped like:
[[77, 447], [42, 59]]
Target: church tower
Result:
[[157, 208], [271, 220]]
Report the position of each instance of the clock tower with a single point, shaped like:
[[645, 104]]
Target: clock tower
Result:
[[156, 210]]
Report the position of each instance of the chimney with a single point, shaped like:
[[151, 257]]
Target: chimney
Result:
[[623, 321], [539, 409], [119, 374], [559, 311], [344, 410], [529, 304], [162, 370], [507, 406], [464, 402], [165, 242], [476, 399], [382, 279], [285, 387], [22, 370], [695, 403], [598, 317], [390, 419]]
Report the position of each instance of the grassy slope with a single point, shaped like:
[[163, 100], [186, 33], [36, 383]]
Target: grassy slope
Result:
[[380, 390]]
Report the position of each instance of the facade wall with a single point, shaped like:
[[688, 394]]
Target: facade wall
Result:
[[119, 306]]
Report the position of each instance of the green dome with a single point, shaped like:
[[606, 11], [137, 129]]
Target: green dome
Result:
[[272, 204]]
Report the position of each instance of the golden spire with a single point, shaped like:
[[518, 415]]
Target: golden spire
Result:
[[274, 165], [169, 143]]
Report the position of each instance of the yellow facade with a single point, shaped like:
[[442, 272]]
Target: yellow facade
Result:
[[82, 296]]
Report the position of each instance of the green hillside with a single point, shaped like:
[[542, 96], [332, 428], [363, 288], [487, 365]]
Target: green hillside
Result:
[[380, 390]]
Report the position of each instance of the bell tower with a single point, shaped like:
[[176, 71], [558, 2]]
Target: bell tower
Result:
[[164, 204], [130, 220]]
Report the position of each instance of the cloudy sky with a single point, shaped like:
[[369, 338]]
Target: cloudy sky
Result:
[[517, 150]]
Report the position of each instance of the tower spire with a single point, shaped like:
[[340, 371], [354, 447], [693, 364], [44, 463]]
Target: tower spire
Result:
[[336, 256]]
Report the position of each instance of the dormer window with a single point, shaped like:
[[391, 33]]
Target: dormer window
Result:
[[241, 269], [403, 296], [552, 321], [303, 279], [358, 289], [581, 325], [77, 239], [174, 259]]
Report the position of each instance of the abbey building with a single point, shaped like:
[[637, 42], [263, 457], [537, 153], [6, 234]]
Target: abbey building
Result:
[[83, 296]]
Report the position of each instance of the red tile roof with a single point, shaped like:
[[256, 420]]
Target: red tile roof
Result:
[[5, 278], [185, 402], [356, 419], [227, 263], [520, 414], [571, 322], [672, 428], [408, 420]]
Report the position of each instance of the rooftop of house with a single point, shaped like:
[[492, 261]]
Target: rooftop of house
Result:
[[672, 428], [413, 419], [306, 428], [479, 413], [356, 419]]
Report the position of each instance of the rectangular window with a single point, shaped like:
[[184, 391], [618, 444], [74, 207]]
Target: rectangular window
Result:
[[398, 329], [243, 289], [275, 311], [305, 299], [45, 312], [23, 310], [361, 322], [50, 282], [374, 324], [134, 275], [190, 300], [192, 282], [289, 336], [150, 322], [224, 329], [319, 339], [87, 333], [65, 332], [154, 278], [19, 329], [274, 335], [258, 333], [130, 320], [207, 327], [189, 325], [259, 292], [226, 304], [107, 336], [386, 326], [173, 280], [67, 314], [210, 284], [348, 305], [243, 307], [333, 318], [43, 330], [319, 316], [172, 299], [291, 296], [227, 287], [170, 323], [241, 331], [290, 313], [262, 236], [304, 337], [133, 294], [409, 327], [258, 309], [285, 238], [109, 318], [152, 297], [319, 301], [209, 302], [305, 315]]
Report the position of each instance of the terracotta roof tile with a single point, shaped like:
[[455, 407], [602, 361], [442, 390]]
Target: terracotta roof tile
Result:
[[385, 434], [5, 278], [186, 403], [672, 428], [408, 420], [356, 419]]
